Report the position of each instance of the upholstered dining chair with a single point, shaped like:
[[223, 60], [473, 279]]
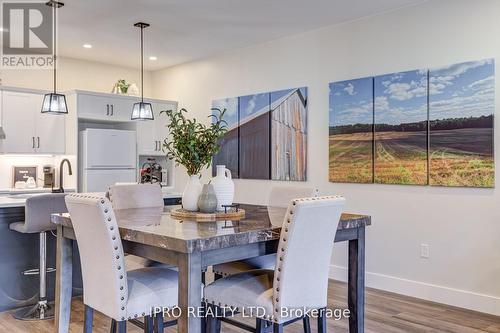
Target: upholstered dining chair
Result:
[[300, 278], [107, 286], [130, 196], [280, 197]]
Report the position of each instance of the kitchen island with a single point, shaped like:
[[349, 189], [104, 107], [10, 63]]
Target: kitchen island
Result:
[[19, 252]]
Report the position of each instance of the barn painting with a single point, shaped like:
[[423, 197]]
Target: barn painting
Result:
[[254, 136], [268, 138], [228, 154], [289, 135]]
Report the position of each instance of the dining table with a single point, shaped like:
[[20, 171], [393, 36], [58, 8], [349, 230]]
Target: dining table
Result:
[[192, 246]]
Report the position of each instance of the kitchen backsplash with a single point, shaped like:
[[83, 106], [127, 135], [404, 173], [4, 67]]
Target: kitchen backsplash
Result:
[[7, 162]]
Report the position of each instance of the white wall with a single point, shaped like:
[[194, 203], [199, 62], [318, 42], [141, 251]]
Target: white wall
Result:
[[75, 74], [462, 226]]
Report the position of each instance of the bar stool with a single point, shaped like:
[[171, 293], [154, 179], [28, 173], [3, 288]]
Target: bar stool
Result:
[[37, 220], [280, 197]]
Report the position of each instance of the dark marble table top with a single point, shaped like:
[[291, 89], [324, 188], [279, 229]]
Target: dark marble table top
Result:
[[155, 227]]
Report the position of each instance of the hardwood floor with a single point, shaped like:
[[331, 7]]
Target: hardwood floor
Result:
[[385, 313]]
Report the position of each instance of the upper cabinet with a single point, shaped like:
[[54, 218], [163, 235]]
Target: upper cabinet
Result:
[[151, 133], [27, 130], [105, 107]]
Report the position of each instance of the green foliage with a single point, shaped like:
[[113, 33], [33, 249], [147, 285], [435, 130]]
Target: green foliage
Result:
[[193, 144], [123, 85]]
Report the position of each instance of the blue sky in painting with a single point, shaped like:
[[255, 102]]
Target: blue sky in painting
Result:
[[231, 104], [401, 97], [462, 90], [351, 102], [250, 104]]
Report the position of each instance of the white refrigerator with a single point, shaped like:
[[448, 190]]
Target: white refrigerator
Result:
[[108, 156]]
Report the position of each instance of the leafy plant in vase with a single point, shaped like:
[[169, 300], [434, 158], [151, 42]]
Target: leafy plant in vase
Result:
[[192, 145]]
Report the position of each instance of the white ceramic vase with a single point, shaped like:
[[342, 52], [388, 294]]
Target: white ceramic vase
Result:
[[223, 186], [191, 194]]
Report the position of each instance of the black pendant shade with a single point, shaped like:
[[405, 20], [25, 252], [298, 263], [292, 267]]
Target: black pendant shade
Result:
[[142, 110], [54, 103]]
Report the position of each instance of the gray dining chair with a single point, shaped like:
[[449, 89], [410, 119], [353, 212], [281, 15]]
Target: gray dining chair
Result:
[[107, 286], [300, 278], [128, 196], [37, 221], [132, 196], [280, 197]]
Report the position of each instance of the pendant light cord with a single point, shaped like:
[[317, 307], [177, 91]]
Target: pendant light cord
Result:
[[142, 63], [55, 56]]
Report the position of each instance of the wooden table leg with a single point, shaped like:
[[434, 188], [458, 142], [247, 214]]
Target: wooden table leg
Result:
[[64, 281], [189, 292], [356, 283]]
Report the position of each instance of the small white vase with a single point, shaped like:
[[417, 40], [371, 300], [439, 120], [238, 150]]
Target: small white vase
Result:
[[223, 186], [191, 193]]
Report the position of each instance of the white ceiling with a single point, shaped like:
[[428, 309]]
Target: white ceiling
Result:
[[185, 30]]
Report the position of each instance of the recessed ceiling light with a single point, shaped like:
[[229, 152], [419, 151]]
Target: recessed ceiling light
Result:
[[153, 58], [87, 46]]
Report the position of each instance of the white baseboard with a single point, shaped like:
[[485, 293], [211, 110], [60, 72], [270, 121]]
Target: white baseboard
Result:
[[450, 296]]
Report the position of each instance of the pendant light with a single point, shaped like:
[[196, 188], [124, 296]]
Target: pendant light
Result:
[[142, 110], [54, 103]]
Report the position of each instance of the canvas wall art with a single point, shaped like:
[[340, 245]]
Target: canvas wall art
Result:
[[428, 127], [289, 134], [351, 131], [228, 154], [268, 138], [254, 136], [401, 128], [462, 104]]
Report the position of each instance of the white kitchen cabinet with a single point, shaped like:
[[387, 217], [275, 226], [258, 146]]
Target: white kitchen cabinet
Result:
[[27, 130], [104, 107], [150, 134], [50, 132]]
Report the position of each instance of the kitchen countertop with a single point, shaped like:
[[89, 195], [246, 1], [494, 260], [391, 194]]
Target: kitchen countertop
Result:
[[17, 198], [26, 190], [10, 197]]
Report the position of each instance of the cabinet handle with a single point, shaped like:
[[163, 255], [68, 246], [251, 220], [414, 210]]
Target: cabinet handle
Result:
[[107, 109], [112, 110], [159, 145], [156, 145], [38, 139], [33, 141]]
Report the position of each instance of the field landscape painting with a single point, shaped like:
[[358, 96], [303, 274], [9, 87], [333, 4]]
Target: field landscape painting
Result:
[[351, 131], [401, 128], [461, 108], [228, 154]]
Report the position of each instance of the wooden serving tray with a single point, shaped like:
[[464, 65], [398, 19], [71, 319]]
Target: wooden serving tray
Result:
[[183, 214]]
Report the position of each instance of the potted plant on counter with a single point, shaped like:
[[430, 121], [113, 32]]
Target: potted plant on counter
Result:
[[193, 144]]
